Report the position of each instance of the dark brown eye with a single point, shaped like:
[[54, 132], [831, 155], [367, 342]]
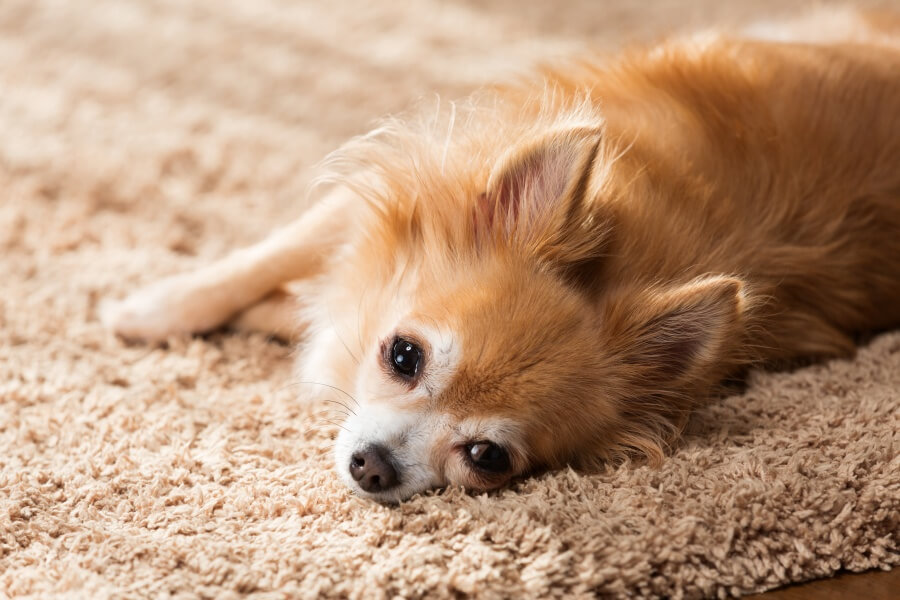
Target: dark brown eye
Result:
[[488, 456], [406, 358]]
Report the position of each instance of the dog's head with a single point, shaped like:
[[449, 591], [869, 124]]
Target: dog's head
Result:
[[460, 323]]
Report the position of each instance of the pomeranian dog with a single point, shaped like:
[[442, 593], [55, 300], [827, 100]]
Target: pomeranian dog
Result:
[[556, 272]]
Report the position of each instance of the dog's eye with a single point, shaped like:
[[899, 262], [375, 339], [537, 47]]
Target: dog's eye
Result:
[[488, 456], [406, 358]]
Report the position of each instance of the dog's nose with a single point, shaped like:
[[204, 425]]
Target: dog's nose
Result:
[[372, 469]]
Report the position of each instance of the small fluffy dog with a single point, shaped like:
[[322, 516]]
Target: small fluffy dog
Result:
[[557, 272]]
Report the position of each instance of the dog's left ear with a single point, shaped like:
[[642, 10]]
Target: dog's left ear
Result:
[[667, 335], [535, 194], [666, 346]]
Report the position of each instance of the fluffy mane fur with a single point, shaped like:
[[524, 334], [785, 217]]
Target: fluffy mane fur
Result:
[[420, 171]]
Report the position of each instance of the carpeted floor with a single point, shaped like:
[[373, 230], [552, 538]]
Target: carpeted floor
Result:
[[143, 138]]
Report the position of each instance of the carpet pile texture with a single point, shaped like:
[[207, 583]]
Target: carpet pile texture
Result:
[[138, 139]]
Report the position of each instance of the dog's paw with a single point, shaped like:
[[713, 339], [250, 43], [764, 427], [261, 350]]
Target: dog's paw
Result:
[[152, 314]]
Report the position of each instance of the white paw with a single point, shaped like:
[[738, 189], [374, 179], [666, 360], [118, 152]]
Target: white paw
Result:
[[154, 313]]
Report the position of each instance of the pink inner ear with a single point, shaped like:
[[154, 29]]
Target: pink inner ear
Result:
[[505, 200], [527, 188], [502, 209], [510, 193]]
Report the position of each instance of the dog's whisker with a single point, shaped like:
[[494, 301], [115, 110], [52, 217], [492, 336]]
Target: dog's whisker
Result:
[[331, 412], [341, 404], [336, 424], [333, 387], [341, 339], [358, 315]]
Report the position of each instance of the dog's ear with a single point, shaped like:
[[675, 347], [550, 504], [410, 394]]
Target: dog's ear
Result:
[[663, 336], [665, 347], [535, 194]]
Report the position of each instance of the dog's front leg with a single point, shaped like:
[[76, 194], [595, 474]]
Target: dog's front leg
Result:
[[275, 315], [207, 298]]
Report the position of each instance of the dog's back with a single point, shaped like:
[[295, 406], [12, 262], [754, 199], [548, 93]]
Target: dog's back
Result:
[[778, 162]]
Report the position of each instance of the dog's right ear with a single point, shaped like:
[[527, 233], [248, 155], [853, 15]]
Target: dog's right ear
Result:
[[535, 194]]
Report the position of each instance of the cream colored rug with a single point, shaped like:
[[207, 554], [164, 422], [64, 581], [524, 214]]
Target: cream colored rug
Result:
[[142, 138]]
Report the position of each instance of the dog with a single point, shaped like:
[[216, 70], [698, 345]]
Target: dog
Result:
[[558, 271]]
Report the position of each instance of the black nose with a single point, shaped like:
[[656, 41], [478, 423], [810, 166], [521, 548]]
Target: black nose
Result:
[[372, 469]]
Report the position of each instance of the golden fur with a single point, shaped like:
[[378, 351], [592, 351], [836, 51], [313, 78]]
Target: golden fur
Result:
[[610, 241]]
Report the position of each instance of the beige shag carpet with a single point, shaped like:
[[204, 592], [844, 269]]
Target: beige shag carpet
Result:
[[142, 138]]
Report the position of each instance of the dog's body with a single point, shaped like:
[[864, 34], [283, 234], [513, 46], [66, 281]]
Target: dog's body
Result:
[[558, 272]]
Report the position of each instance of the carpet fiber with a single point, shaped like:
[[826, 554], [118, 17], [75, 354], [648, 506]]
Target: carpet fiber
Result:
[[142, 138]]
